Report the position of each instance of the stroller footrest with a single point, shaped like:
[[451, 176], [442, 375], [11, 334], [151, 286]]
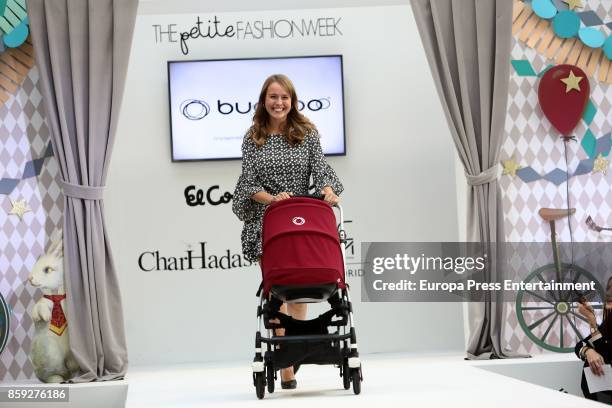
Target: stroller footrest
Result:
[[307, 353]]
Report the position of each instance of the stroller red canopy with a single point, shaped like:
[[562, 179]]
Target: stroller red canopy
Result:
[[301, 245]]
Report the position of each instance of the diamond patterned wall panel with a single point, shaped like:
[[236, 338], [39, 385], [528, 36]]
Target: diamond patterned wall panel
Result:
[[533, 142], [24, 137]]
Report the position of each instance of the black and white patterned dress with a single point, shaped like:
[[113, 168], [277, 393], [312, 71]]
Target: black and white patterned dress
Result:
[[276, 167]]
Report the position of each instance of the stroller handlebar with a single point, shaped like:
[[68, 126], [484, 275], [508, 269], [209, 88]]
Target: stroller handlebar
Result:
[[315, 196]]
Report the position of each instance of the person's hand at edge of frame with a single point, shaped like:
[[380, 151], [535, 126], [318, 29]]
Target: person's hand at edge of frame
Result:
[[586, 310], [595, 361]]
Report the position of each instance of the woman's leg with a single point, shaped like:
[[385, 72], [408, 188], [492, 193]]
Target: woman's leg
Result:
[[286, 373], [297, 311]]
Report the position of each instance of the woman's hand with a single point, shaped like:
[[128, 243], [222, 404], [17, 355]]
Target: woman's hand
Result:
[[329, 196], [595, 361], [281, 196], [587, 311]]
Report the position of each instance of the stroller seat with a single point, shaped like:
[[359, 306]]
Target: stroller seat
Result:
[[304, 293]]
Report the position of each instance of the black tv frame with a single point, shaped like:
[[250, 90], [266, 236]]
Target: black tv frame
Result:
[[245, 59]]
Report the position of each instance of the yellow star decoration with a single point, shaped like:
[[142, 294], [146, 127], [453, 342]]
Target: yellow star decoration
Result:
[[510, 167], [19, 208], [601, 165], [571, 82], [572, 4]]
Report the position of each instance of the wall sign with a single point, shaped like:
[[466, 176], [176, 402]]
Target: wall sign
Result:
[[195, 196], [206, 28], [193, 259]]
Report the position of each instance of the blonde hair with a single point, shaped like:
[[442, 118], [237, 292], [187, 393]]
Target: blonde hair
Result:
[[296, 126]]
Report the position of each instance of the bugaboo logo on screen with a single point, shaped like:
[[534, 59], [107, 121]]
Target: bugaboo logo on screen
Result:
[[298, 221], [196, 109]]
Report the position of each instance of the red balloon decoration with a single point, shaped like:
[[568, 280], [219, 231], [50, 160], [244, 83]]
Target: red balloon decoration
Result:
[[563, 94]]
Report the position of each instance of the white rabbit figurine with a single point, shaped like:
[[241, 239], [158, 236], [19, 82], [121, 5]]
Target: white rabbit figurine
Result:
[[51, 357]]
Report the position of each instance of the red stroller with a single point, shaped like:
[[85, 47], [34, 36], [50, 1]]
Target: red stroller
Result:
[[303, 262]]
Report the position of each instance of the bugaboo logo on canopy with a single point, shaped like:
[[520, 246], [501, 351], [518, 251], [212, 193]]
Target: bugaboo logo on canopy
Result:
[[298, 221], [196, 109]]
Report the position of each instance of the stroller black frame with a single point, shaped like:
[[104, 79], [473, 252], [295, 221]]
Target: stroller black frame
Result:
[[307, 341]]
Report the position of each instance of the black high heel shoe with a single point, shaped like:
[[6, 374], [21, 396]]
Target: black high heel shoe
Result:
[[289, 385]]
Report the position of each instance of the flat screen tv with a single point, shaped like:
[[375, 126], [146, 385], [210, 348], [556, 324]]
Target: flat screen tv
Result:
[[212, 102]]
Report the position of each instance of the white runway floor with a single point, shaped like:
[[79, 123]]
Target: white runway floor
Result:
[[390, 380]]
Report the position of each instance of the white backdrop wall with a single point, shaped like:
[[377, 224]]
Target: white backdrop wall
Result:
[[398, 173]]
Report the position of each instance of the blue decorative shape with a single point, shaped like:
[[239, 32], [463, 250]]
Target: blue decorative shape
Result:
[[607, 47], [29, 170], [604, 144], [591, 37], [584, 167], [590, 18], [544, 8], [17, 37], [589, 112], [48, 151], [527, 174], [38, 164], [589, 143], [557, 176], [32, 168], [7, 185], [566, 24], [523, 68]]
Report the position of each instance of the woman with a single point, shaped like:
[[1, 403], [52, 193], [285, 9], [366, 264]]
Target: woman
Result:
[[280, 152], [596, 349]]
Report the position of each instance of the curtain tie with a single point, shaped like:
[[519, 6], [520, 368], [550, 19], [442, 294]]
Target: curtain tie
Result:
[[485, 177], [81, 192]]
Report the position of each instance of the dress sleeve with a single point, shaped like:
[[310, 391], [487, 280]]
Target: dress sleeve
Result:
[[248, 183], [579, 349], [594, 341], [322, 173]]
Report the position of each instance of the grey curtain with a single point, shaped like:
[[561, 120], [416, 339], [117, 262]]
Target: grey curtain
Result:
[[468, 44], [82, 49]]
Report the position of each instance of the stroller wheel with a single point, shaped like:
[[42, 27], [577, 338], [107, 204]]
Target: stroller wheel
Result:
[[356, 380], [270, 378], [260, 384], [346, 375]]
